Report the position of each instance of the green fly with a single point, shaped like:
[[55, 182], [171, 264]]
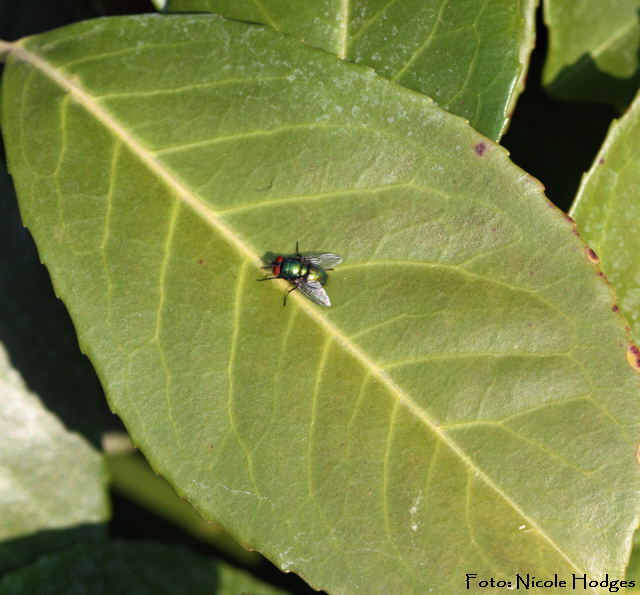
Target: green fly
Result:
[[306, 272]]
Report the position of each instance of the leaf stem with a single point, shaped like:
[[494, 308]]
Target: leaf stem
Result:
[[5, 48]]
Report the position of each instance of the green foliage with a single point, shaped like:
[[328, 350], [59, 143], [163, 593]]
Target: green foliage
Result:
[[468, 404], [465, 55], [607, 209], [594, 50], [52, 480], [121, 567], [159, 276]]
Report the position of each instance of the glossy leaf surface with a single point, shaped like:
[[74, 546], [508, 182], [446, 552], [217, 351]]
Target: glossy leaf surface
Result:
[[51, 480], [528, 10], [465, 55], [594, 50], [468, 387], [607, 210]]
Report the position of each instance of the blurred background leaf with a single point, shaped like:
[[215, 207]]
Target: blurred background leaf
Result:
[[594, 50], [53, 484], [133, 568]]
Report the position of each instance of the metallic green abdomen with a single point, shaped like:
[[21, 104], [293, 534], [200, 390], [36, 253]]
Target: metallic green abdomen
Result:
[[293, 268]]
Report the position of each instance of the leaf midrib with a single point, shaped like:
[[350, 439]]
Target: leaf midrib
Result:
[[190, 199]]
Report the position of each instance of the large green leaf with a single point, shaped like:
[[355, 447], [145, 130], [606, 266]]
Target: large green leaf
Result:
[[51, 480], [593, 50], [607, 209], [465, 405], [466, 55], [122, 567]]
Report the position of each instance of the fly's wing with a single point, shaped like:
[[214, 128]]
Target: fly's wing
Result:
[[314, 291], [326, 261]]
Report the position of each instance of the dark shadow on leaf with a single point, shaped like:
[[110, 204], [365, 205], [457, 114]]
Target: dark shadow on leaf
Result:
[[116, 566], [584, 80], [36, 330], [19, 551], [133, 522]]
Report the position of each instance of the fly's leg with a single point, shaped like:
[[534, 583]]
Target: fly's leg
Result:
[[297, 251], [268, 278], [286, 294]]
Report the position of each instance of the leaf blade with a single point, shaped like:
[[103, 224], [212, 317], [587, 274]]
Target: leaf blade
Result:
[[466, 56]]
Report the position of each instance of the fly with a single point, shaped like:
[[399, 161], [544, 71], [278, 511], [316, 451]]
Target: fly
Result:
[[306, 272]]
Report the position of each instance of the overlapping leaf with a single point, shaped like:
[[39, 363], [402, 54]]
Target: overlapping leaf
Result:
[[465, 404], [132, 478], [607, 209], [594, 50], [466, 55], [50, 479]]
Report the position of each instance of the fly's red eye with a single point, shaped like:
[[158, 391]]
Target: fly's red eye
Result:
[[277, 265]]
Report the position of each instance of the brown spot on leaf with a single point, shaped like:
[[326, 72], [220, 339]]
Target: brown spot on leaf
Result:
[[632, 357], [601, 160], [481, 148], [569, 218], [615, 308], [593, 257], [201, 262]]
